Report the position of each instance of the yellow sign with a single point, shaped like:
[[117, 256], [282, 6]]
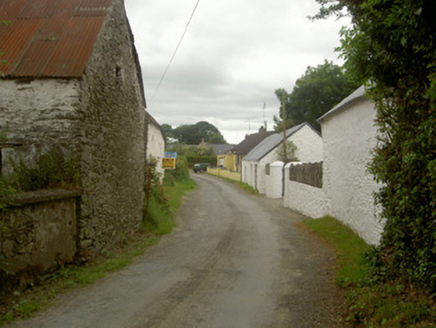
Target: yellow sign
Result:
[[168, 163]]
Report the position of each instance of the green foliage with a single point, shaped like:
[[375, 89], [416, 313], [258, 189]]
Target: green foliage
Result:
[[315, 93], [201, 159], [5, 191], [350, 248], [392, 304], [51, 170], [287, 154], [192, 134], [391, 47], [161, 201], [181, 172]]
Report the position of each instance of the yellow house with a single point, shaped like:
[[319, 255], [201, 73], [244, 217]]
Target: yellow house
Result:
[[232, 161], [229, 162]]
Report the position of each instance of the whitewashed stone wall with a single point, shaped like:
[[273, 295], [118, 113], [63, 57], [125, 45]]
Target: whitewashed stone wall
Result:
[[309, 145], [274, 181], [38, 114], [349, 135], [303, 198], [155, 147]]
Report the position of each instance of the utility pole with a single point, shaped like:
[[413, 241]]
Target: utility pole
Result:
[[285, 155]]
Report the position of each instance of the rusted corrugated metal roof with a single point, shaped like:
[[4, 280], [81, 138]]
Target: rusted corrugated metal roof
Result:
[[49, 38]]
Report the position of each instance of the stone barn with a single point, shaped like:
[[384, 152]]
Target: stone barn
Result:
[[72, 80]]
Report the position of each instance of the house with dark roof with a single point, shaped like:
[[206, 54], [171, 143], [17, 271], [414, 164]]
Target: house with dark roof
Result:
[[254, 165], [72, 81], [232, 161]]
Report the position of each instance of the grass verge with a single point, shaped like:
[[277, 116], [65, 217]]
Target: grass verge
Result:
[[240, 184], [371, 303], [24, 304]]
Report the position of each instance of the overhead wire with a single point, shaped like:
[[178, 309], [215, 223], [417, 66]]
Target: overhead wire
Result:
[[175, 52]]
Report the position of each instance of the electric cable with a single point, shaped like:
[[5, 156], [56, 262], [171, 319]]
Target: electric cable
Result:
[[175, 52]]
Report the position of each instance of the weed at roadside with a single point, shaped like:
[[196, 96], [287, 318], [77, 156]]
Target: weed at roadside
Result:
[[372, 304]]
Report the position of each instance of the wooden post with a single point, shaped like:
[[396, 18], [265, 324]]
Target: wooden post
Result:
[[285, 155]]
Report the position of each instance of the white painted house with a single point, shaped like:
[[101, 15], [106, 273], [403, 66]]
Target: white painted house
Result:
[[349, 135], [154, 143], [254, 164]]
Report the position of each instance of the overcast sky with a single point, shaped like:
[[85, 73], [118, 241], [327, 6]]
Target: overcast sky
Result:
[[233, 57]]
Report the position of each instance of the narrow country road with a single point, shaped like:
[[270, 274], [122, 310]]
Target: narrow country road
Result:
[[235, 260]]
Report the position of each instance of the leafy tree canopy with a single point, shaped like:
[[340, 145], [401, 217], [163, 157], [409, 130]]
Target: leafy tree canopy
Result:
[[192, 134], [315, 93], [391, 48]]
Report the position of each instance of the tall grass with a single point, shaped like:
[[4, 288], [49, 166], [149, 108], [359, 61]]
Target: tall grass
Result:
[[164, 200], [350, 248], [371, 304], [50, 170]]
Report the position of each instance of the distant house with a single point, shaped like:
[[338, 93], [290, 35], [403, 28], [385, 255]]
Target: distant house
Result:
[[154, 144], [73, 81], [218, 149], [349, 136], [254, 165], [232, 161]]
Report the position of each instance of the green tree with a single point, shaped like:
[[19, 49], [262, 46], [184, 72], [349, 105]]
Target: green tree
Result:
[[290, 154], [391, 48], [315, 93], [168, 132], [193, 134]]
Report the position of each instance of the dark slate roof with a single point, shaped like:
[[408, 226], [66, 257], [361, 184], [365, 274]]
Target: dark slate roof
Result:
[[359, 93], [250, 141], [221, 149], [49, 38], [270, 143]]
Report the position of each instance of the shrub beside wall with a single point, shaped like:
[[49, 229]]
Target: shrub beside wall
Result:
[[201, 159]]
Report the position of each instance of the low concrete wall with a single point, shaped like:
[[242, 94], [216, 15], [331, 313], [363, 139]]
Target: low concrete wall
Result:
[[303, 198], [225, 173], [38, 232]]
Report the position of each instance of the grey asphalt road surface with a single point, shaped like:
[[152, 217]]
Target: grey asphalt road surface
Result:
[[235, 260]]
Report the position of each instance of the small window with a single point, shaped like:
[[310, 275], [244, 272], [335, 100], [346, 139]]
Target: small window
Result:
[[119, 75]]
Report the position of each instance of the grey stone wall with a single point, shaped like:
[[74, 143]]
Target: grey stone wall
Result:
[[40, 114], [100, 117], [38, 232], [112, 139], [309, 173]]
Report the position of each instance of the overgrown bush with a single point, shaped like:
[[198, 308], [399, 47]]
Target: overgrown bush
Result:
[[391, 47], [181, 172], [201, 159], [155, 200], [50, 170], [159, 199]]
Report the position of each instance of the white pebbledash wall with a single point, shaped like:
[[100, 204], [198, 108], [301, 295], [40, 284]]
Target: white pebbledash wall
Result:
[[349, 135], [309, 149], [273, 181], [303, 198], [156, 147]]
